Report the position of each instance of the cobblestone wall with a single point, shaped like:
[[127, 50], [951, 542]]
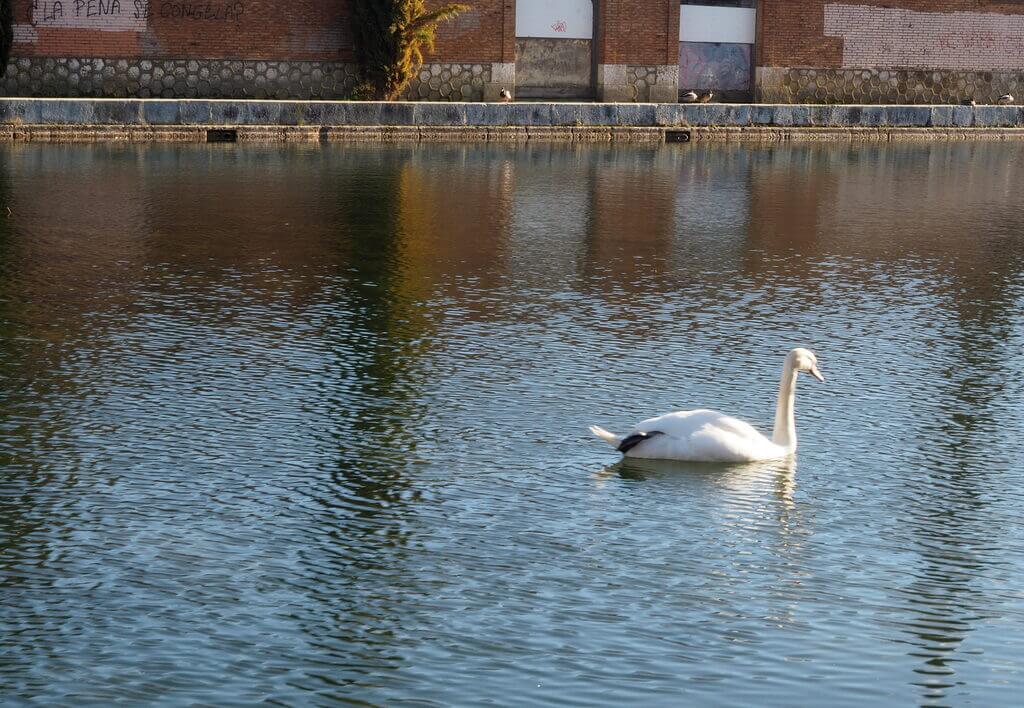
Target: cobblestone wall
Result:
[[209, 78], [449, 82], [176, 78], [653, 83], [877, 86]]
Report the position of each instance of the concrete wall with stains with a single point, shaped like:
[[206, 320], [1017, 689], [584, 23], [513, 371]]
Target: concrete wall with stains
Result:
[[553, 48], [553, 68]]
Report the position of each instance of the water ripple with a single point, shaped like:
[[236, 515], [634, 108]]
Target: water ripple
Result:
[[308, 424]]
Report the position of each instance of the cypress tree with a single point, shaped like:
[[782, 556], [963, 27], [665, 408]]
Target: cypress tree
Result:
[[390, 38]]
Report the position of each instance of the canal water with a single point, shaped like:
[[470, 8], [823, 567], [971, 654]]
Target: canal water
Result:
[[308, 424]]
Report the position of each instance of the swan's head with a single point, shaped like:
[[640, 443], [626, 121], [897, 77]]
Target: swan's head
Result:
[[805, 361]]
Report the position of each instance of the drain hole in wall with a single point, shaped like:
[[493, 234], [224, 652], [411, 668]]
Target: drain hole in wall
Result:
[[222, 136], [677, 136]]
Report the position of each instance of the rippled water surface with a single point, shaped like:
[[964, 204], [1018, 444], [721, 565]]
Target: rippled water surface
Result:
[[309, 425]]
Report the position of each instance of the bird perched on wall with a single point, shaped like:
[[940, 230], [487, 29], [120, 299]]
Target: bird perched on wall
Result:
[[505, 96], [1005, 100], [689, 97], [968, 102], [706, 96]]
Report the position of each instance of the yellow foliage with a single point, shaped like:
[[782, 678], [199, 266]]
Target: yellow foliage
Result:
[[391, 37]]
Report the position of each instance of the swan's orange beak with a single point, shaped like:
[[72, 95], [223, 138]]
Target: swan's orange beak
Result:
[[816, 374]]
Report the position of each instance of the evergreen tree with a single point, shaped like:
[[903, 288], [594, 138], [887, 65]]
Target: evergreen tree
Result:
[[390, 38]]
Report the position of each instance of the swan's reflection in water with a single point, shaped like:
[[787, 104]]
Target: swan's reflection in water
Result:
[[779, 474], [755, 499], [724, 512]]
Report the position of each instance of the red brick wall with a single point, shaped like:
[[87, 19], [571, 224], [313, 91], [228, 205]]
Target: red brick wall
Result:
[[236, 29], [231, 29], [638, 32], [484, 34], [792, 32]]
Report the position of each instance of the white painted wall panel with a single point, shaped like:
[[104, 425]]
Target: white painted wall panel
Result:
[[557, 19], [704, 23]]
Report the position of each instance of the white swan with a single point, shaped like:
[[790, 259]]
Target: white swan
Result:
[[709, 436]]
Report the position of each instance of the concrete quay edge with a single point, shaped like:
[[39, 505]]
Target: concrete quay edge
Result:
[[502, 134], [240, 113]]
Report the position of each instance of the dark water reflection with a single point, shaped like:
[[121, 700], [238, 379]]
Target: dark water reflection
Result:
[[308, 425]]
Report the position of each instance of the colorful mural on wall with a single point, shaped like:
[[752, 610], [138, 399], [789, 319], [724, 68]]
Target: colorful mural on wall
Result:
[[718, 66], [716, 48]]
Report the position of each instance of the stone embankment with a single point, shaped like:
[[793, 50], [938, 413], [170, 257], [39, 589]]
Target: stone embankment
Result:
[[69, 120]]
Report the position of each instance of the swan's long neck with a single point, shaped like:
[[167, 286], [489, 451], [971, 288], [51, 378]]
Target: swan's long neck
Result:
[[785, 421]]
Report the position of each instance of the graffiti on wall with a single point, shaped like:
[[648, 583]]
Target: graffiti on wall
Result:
[[557, 19], [114, 15], [878, 36], [209, 11], [128, 15]]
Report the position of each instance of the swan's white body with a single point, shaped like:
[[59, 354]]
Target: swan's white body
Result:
[[709, 436], [701, 436]]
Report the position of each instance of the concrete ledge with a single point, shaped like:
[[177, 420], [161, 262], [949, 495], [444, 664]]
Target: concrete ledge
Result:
[[859, 134], [330, 114], [499, 134]]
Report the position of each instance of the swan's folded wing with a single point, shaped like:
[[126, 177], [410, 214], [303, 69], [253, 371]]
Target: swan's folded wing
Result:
[[736, 426], [680, 424], [715, 444], [704, 435]]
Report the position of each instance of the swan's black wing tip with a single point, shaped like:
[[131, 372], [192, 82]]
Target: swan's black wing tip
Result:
[[631, 441]]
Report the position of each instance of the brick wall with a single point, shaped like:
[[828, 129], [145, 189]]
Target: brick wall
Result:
[[235, 29], [940, 34], [486, 33], [889, 51], [807, 50], [638, 32], [220, 29], [163, 47], [232, 49]]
